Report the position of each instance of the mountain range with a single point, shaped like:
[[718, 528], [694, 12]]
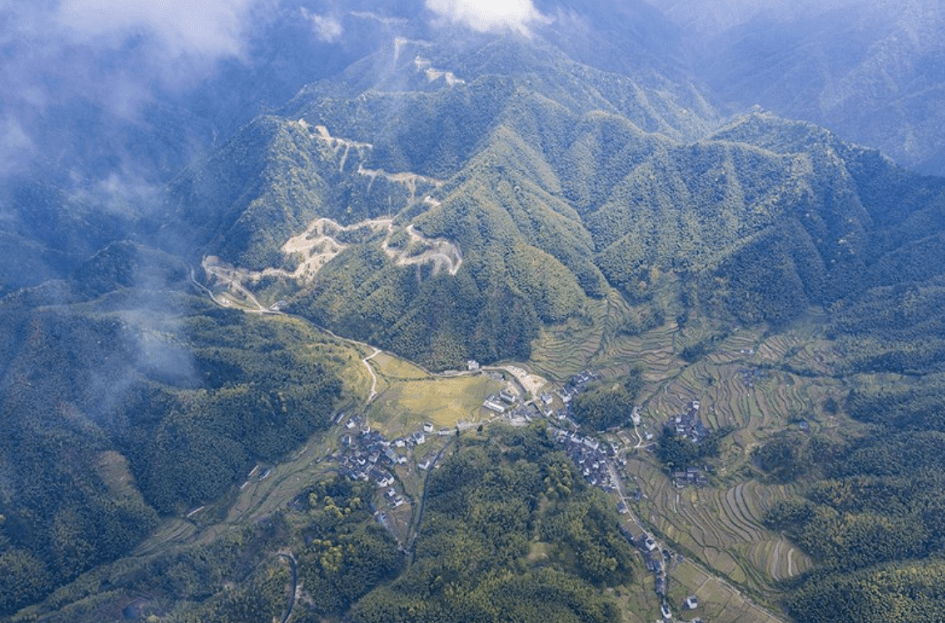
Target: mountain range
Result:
[[553, 182], [448, 192]]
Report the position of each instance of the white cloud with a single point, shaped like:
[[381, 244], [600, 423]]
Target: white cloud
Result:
[[387, 21], [201, 28], [488, 15], [113, 54], [325, 27], [15, 144]]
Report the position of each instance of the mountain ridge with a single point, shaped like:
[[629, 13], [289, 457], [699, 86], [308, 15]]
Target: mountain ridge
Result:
[[446, 201], [589, 197]]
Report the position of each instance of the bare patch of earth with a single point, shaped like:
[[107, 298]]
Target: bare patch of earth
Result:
[[318, 245]]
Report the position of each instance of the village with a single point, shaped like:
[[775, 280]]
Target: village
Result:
[[365, 454]]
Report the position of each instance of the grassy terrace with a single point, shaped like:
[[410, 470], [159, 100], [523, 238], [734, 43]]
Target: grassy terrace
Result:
[[595, 341], [720, 525], [757, 383], [403, 406]]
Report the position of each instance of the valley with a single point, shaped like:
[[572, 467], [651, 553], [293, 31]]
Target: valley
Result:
[[530, 318], [725, 552]]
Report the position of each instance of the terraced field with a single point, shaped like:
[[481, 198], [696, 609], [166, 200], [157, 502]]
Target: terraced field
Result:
[[653, 350], [721, 526], [596, 342], [565, 350], [748, 381]]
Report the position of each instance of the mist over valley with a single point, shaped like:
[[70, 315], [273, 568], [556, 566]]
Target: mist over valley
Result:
[[472, 311]]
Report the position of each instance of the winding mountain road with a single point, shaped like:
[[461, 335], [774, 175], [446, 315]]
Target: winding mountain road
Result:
[[365, 360], [293, 567]]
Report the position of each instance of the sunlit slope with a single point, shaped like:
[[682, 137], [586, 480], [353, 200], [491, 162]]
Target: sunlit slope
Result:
[[549, 182]]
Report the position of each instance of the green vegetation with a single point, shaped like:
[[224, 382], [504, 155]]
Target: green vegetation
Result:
[[191, 395], [348, 552], [873, 521], [440, 321], [785, 457], [233, 578], [891, 593], [258, 399], [678, 452], [486, 507], [555, 194], [606, 404], [495, 500], [552, 204], [595, 218]]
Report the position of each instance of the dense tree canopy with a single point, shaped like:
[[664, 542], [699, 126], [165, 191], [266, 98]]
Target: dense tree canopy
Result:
[[606, 404], [483, 516]]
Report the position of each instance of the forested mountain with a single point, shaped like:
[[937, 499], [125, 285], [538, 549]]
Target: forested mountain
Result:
[[143, 400], [555, 181], [449, 191], [871, 71]]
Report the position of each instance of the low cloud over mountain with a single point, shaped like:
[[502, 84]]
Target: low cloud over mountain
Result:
[[489, 15]]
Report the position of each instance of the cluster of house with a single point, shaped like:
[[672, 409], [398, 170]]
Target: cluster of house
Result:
[[576, 385], [689, 425], [507, 402], [655, 560], [393, 498], [367, 455], [691, 476], [427, 461], [502, 402], [524, 413], [750, 376], [652, 557], [590, 455]]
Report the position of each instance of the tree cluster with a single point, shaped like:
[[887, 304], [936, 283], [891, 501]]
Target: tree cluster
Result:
[[605, 404], [484, 514]]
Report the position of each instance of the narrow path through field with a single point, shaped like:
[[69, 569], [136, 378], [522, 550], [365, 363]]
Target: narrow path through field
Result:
[[365, 360]]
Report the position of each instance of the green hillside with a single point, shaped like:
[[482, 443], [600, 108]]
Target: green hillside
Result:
[[555, 182], [487, 198], [140, 402]]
